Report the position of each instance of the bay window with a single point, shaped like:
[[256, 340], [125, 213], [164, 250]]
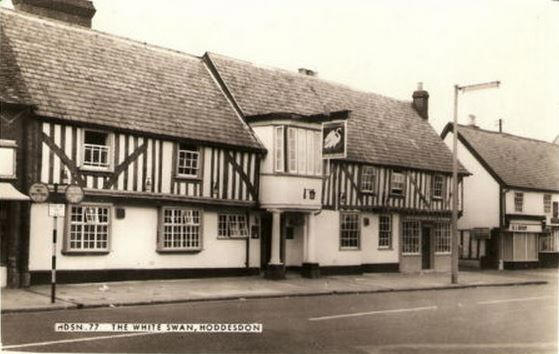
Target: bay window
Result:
[[297, 151]]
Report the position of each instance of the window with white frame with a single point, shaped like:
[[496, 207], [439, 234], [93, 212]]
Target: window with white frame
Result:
[[397, 183], [550, 242], [188, 161], [518, 201], [8, 158], [350, 231], [302, 149], [279, 149], [96, 149], [368, 179], [180, 229], [438, 186], [385, 231], [547, 203], [410, 237], [232, 226], [442, 237], [88, 228]]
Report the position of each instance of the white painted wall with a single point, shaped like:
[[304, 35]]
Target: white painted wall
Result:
[[370, 253], [3, 276], [288, 192], [481, 192], [133, 245], [533, 203], [266, 135]]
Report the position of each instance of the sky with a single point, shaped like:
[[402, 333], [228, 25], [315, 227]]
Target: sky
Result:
[[385, 47]]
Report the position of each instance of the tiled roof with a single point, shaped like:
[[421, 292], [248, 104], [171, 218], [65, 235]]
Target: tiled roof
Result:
[[82, 75], [381, 130], [517, 161]]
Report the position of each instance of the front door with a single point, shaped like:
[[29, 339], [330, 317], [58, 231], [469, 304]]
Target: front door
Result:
[[426, 248]]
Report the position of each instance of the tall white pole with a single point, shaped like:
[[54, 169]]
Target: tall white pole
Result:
[[454, 240]]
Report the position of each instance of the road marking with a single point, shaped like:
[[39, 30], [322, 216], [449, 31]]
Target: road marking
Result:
[[75, 340], [457, 346], [425, 308], [490, 302]]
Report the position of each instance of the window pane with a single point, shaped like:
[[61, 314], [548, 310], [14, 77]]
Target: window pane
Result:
[[292, 149], [302, 151], [310, 152], [278, 138], [317, 154]]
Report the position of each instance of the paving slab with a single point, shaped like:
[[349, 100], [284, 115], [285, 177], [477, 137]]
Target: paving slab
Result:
[[206, 289]]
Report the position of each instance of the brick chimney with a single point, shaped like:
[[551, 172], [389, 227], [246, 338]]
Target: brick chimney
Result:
[[421, 101], [77, 12], [307, 72]]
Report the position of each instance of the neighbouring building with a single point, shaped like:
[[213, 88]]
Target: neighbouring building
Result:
[[511, 203], [201, 166]]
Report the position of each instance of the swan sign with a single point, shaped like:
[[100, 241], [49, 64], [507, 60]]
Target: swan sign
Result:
[[334, 140]]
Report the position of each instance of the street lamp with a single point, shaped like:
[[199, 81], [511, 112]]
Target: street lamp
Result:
[[457, 88]]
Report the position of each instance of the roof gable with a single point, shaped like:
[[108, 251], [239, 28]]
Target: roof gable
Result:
[[515, 161], [87, 76], [381, 130]]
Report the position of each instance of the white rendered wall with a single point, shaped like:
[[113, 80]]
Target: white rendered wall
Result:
[[533, 203], [133, 245], [370, 253], [3, 276], [481, 192], [266, 135]]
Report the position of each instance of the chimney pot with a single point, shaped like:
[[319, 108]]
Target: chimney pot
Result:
[[307, 72], [421, 101], [472, 118], [77, 12]]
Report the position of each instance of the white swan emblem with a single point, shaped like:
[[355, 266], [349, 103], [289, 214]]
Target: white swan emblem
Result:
[[333, 138]]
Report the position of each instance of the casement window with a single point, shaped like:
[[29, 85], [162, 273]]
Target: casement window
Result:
[[350, 231], [88, 228], [181, 229], [385, 231], [438, 186], [8, 159], [442, 237], [232, 226], [518, 201], [279, 163], [97, 149], [302, 150], [397, 183], [410, 237], [368, 179], [188, 161], [547, 203]]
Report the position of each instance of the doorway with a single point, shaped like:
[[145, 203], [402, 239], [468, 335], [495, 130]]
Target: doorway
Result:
[[426, 248]]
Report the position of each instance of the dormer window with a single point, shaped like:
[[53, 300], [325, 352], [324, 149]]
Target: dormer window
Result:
[[397, 183], [96, 150], [188, 161], [438, 186]]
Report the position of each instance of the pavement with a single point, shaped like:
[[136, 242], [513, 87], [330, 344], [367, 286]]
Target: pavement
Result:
[[130, 293]]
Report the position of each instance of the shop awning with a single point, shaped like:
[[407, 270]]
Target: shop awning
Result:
[[8, 192]]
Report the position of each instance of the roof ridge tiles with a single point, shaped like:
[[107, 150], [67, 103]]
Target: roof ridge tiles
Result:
[[506, 134], [91, 31]]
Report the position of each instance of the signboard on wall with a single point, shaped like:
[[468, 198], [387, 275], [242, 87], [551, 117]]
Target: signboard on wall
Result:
[[525, 227], [334, 140]]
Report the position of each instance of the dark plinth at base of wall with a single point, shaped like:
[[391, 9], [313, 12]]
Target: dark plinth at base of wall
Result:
[[275, 272], [310, 270], [341, 270], [521, 265], [381, 268], [549, 259], [92, 276]]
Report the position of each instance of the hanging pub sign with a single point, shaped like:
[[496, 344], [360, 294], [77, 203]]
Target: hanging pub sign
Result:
[[334, 140]]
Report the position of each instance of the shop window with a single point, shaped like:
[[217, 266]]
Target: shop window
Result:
[[180, 229], [350, 231], [89, 228], [232, 226]]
